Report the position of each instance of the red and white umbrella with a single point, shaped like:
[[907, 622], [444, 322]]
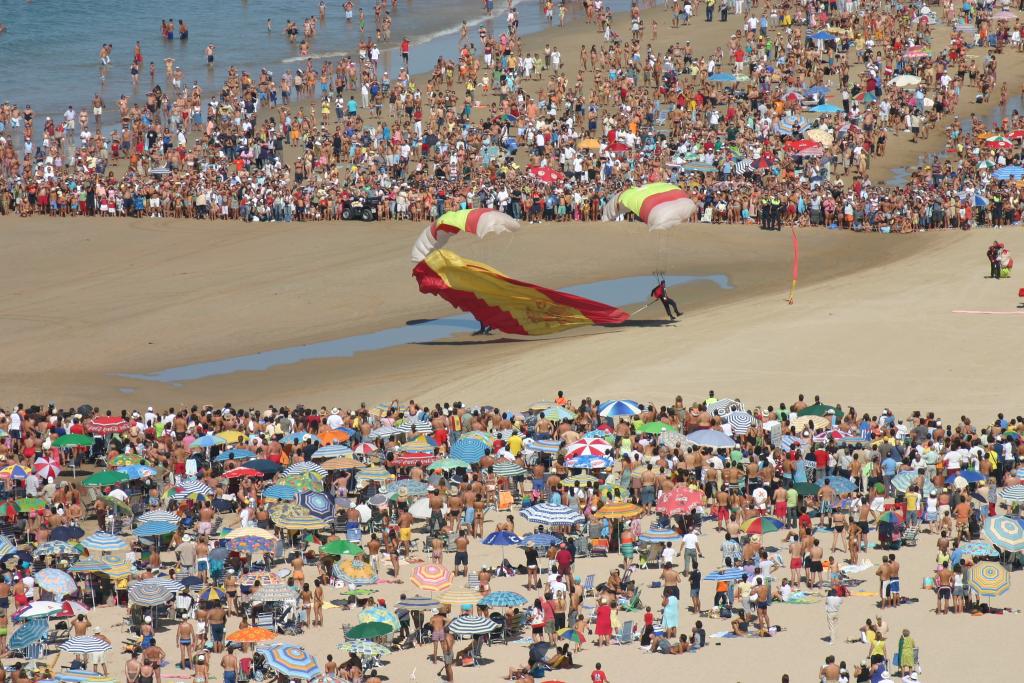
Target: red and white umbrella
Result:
[[242, 472], [593, 447], [46, 468], [364, 449], [546, 174], [998, 142], [107, 424], [679, 500], [412, 458]]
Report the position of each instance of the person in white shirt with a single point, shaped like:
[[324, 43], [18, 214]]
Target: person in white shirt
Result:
[[691, 551], [335, 420], [668, 555]]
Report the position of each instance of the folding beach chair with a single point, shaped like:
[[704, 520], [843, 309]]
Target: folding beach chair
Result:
[[625, 634]]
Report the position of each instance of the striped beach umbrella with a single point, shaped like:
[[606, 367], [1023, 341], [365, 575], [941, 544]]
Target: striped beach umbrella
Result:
[[56, 548], [274, 593], [710, 438], [342, 463], [1005, 532], [290, 660], [558, 413], [446, 464], [364, 449], [469, 450], [377, 474], [188, 488], [303, 521], [265, 579], [6, 547], [550, 514], [460, 596], [250, 531], [572, 635], [160, 516], [507, 468], [618, 408], [305, 466], [103, 542], [724, 406], [280, 492], [660, 535], [170, 584], [417, 603], [589, 462], [32, 631], [148, 529], [364, 648], [989, 579], [334, 450], [46, 468], [431, 577], [320, 505], [119, 570], [619, 510], [379, 615], [212, 593], [84, 645], [253, 634], [55, 581], [541, 540], [1014, 494], [38, 608], [740, 421], [148, 594], [503, 599], [420, 444], [14, 472], [471, 626], [597, 448], [252, 544], [581, 479], [356, 572], [545, 446], [89, 564], [138, 471], [762, 525], [385, 432]]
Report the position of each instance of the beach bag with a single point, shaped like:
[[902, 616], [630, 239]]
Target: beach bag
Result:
[[724, 612]]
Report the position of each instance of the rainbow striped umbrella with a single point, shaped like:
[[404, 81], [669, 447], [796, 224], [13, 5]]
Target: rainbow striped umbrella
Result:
[[572, 635], [655, 535], [619, 510], [1005, 532], [989, 579], [290, 660], [762, 525], [14, 472], [432, 577]]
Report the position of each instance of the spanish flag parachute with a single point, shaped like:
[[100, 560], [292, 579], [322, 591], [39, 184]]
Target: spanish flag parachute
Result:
[[659, 205], [504, 303], [479, 222]]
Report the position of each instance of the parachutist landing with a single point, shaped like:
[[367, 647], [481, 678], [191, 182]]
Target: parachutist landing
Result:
[[661, 294], [484, 329]]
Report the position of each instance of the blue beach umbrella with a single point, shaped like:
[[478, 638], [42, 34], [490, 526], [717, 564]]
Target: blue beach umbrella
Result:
[[280, 492], [620, 408], [1009, 173], [825, 109], [503, 599], [290, 660], [541, 540], [32, 631], [469, 450], [103, 542], [654, 535], [821, 35], [148, 529], [722, 77], [501, 538]]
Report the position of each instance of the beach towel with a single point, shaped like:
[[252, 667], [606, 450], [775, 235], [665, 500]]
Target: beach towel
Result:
[[856, 568], [723, 634], [801, 598]]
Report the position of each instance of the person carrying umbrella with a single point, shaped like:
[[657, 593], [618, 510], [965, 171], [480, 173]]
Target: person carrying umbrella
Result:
[[660, 292]]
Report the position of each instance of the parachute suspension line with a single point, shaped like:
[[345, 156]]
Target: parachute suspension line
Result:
[[796, 266]]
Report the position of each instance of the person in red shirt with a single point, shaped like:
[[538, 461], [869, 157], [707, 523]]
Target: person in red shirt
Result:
[[597, 675], [405, 51]]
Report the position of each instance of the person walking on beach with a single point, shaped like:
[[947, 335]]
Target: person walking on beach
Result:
[[993, 258], [832, 604], [660, 292]]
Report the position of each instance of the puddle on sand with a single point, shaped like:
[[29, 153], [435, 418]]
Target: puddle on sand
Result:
[[618, 292]]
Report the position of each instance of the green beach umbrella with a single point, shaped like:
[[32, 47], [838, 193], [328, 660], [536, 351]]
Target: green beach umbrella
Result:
[[657, 427], [105, 478], [342, 547], [448, 464], [73, 440]]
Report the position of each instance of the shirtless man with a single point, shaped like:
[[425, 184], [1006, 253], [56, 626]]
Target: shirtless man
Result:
[[670, 579], [830, 671], [816, 553], [462, 554], [185, 635], [436, 633], [760, 596], [216, 618], [405, 531], [883, 580], [229, 662], [894, 581], [943, 588]]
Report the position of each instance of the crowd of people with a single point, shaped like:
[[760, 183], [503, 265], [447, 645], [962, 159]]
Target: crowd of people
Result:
[[790, 112], [361, 485]]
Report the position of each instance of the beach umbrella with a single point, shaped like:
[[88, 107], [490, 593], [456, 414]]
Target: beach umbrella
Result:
[[55, 581], [14, 472], [363, 648], [551, 515], [558, 413], [265, 579], [431, 577], [447, 464], [724, 406], [420, 446], [1005, 532], [280, 492], [414, 459], [335, 451], [296, 437], [546, 174], [889, 517], [842, 485], [172, 585], [38, 608], [379, 615], [274, 593], [501, 538], [207, 441], [469, 450], [46, 468], [545, 446], [6, 547], [762, 525], [588, 447], [252, 544], [901, 482], [148, 529], [820, 136], [973, 549], [1014, 494], [792, 124], [253, 634], [572, 635], [107, 424], [267, 467], [709, 438], [290, 660], [541, 540], [56, 548], [249, 531], [619, 408], [30, 504], [211, 594], [84, 645], [589, 462], [970, 476], [147, 594], [356, 572], [32, 631], [806, 488], [507, 468], [138, 471], [306, 481], [405, 488], [825, 109], [821, 35], [989, 579], [581, 480], [342, 463], [503, 599], [341, 547], [231, 436], [680, 500], [722, 77], [372, 629], [71, 440], [740, 421], [377, 474], [460, 596], [119, 570], [319, 504], [660, 535], [1009, 173], [467, 625], [72, 608], [188, 488], [297, 521], [731, 574], [234, 454], [385, 432], [417, 603], [239, 472], [160, 516], [819, 409], [305, 466], [619, 510]]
